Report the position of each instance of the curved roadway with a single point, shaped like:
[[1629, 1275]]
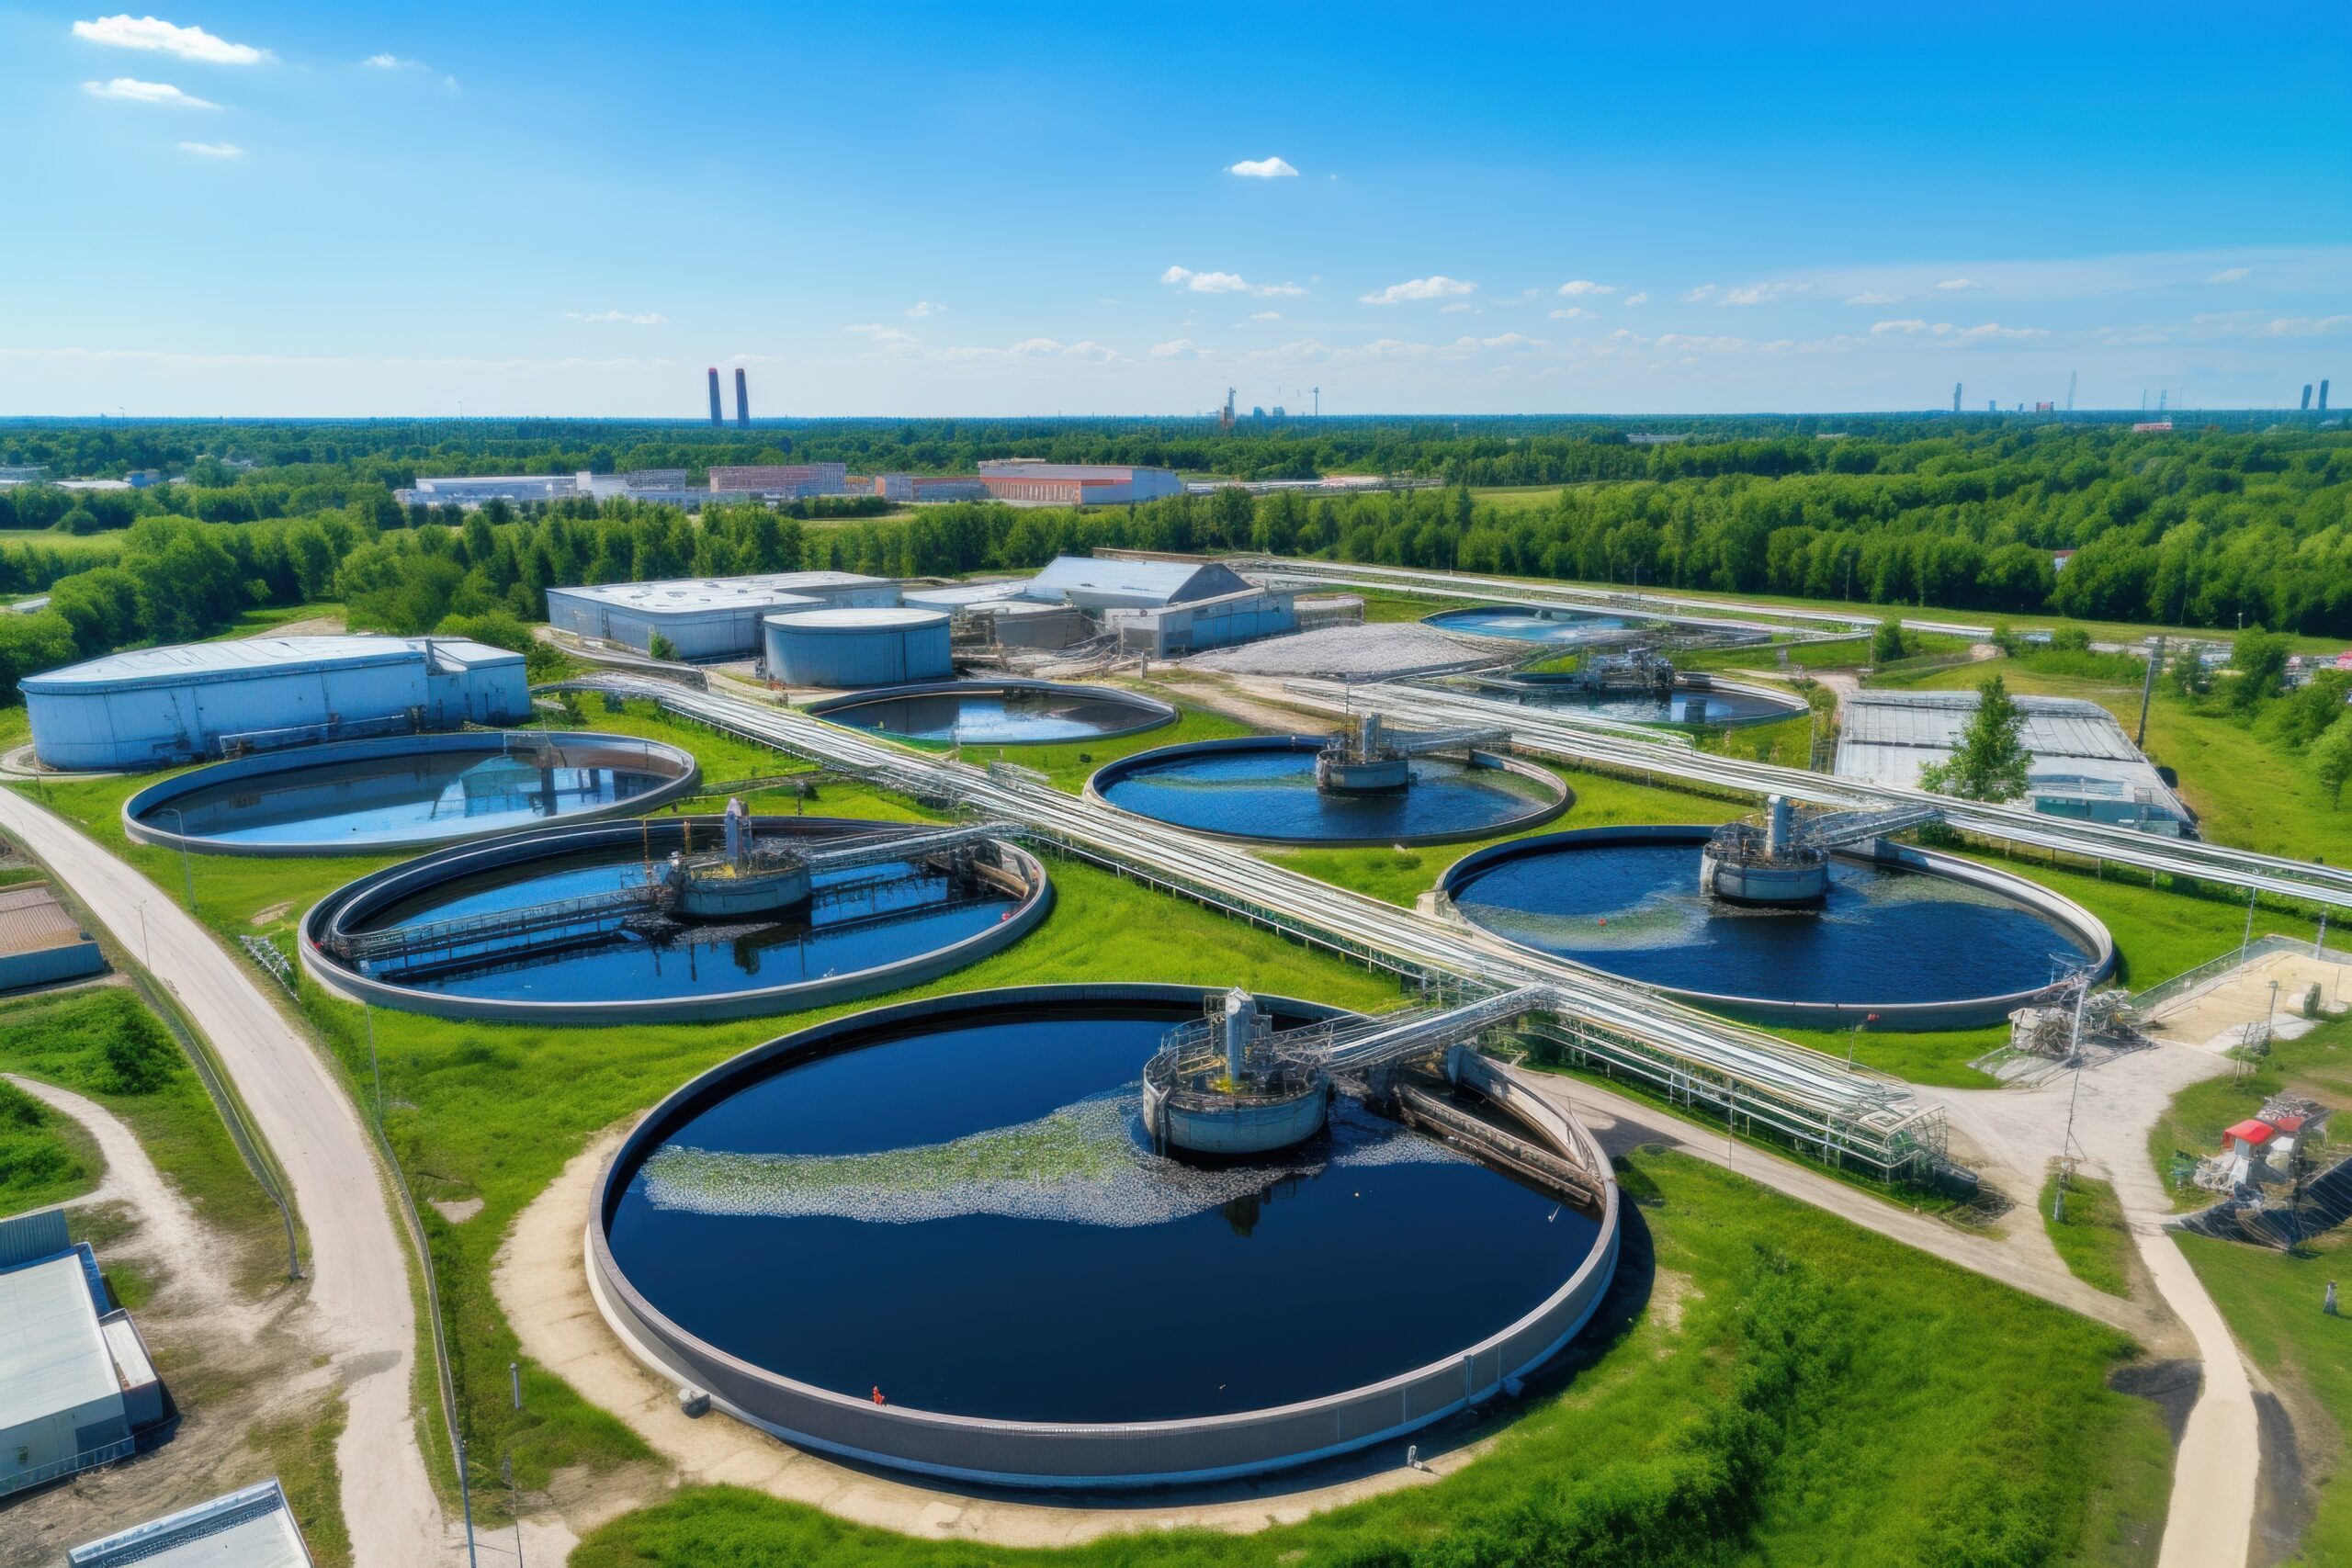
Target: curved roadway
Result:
[[359, 1278]]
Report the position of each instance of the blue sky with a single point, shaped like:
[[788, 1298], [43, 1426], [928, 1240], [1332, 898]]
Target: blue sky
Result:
[[245, 208]]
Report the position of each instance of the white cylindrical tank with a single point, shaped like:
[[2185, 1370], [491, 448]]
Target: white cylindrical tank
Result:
[[850, 648]]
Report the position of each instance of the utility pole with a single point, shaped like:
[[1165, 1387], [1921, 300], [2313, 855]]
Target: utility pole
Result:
[[2148, 690]]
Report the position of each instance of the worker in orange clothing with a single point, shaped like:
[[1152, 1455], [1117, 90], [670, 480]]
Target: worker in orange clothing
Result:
[[877, 1396]]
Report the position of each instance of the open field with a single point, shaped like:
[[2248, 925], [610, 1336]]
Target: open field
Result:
[[1768, 1385], [2092, 1238], [99, 547]]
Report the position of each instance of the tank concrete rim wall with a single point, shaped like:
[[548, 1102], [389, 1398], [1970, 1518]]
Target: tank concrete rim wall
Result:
[[357, 898], [1788, 704], [686, 774], [1074, 1454], [1155, 712], [1560, 795], [1564, 615], [1966, 1012]]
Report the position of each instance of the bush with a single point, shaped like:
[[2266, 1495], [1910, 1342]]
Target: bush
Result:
[[1887, 643]]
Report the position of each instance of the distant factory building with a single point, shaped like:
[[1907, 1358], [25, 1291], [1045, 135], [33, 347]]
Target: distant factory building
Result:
[[76, 1384], [154, 707], [34, 473], [963, 595], [918, 488], [855, 649], [2084, 765], [779, 481], [1097, 585], [250, 1527], [471, 491], [1033, 482], [40, 944], [707, 617]]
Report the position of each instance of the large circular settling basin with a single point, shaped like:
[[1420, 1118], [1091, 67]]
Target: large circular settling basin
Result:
[[381, 795], [1266, 790], [1719, 707], [1523, 623], [999, 716], [1885, 935], [963, 1211], [858, 918]]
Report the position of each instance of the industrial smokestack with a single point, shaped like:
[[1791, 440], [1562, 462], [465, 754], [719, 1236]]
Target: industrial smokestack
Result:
[[1955, 397], [2307, 397], [743, 400], [713, 396]]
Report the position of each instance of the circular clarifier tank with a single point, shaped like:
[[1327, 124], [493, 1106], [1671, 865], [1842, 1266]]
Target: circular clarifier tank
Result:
[[1720, 705], [571, 925], [1525, 622], [997, 713], [405, 792], [938, 1236], [1919, 940], [1262, 788]]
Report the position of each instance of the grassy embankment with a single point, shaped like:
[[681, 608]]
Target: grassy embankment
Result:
[[2092, 1240], [493, 1111], [2271, 1300], [1789, 1389]]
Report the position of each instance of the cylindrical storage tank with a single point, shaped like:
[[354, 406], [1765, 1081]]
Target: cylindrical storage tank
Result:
[[857, 647]]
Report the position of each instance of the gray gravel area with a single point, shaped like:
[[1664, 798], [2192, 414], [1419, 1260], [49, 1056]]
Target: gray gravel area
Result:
[[1374, 648]]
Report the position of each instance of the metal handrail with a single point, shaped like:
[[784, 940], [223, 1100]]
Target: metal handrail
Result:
[[57, 1468]]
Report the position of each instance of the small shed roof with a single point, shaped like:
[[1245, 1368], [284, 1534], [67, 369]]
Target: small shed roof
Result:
[[32, 919], [2251, 1131], [53, 1356], [248, 1528]]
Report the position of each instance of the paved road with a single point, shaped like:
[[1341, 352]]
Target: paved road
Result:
[[359, 1286]]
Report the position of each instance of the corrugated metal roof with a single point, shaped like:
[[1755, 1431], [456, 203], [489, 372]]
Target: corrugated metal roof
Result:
[[2078, 748], [251, 656], [962, 593], [31, 919], [1167, 580], [53, 1356], [248, 1528], [687, 595]]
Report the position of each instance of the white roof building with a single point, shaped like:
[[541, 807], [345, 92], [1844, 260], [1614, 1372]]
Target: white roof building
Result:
[[2084, 764], [75, 1380], [248, 1528], [707, 617]]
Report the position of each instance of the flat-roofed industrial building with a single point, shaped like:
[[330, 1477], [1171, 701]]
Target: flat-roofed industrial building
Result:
[[1195, 625], [707, 617], [1036, 483], [154, 707], [76, 1384], [250, 1527], [779, 481], [2084, 765], [40, 943]]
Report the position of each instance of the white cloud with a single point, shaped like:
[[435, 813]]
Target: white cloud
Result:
[[880, 333], [926, 308], [1642, 298], [1913, 327], [1585, 286], [131, 90], [394, 62], [1457, 308], [1504, 339], [1874, 298], [1041, 347], [1262, 169], [1265, 315], [188, 43], [2309, 326], [1182, 348], [1761, 293], [2231, 275], [1435, 287], [1227, 283], [647, 319], [1574, 313], [1699, 295], [213, 149], [1955, 284]]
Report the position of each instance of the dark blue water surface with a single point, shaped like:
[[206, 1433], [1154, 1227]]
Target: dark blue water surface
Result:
[[1882, 936], [857, 919], [1271, 794], [967, 1218], [1523, 624], [994, 719], [400, 799]]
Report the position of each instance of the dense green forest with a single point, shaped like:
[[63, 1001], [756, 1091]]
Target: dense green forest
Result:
[[2191, 528]]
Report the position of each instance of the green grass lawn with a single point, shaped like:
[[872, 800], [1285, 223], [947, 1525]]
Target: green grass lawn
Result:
[[2092, 1240], [2271, 1301], [99, 547], [45, 1158], [1790, 1389], [101, 1041], [494, 1111]]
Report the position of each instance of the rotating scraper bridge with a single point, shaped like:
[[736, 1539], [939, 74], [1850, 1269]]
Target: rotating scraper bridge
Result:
[[1852, 1118]]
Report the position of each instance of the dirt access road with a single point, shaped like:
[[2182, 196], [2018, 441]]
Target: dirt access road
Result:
[[359, 1303]]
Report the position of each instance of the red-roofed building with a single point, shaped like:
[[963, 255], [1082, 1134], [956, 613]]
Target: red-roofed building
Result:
[[2248, 1137]]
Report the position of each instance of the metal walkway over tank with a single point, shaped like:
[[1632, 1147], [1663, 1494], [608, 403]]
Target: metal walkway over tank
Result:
[[1856, 1117]]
